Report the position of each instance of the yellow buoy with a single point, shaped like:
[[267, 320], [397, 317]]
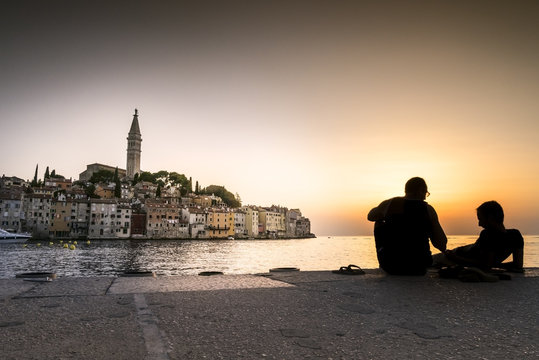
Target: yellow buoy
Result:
[[38, 244], [74, 242], [65, 246], [24, 245], [88, 242], [61, 241], [72, 247], [51, 243]]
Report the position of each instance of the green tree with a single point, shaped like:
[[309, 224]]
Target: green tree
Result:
[[135, 179], [196, 188], [34, 182], [238, 199], [116, 177], [178, 180], [90, 191], [118, 189], [105, 176], [158, 191], [47, 175], [146, 176], [162, 174], [227, 197], [53, 173]]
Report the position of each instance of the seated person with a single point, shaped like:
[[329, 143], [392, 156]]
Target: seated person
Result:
[[403, 227], [495, 244]]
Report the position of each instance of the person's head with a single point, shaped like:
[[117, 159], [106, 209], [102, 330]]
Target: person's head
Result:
[[490, 214], [416, 188]]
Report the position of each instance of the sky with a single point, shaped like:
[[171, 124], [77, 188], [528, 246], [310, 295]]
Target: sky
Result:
[[326, 106]]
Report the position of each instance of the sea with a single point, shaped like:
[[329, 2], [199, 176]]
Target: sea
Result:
[[189, 257]]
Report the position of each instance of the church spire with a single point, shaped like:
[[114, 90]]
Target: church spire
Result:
[[134, 140], [135, 129]]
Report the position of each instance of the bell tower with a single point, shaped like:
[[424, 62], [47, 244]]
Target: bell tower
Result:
[[134, 140]]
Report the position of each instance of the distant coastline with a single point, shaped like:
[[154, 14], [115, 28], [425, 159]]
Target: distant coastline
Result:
[[112, 203]]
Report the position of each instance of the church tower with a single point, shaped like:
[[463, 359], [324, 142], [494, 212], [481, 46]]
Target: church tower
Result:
[[134, 140]]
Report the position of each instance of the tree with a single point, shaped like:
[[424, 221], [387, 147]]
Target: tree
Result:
[[118, 189], [34, 182], [227, 197], [53, 173], [90, 191], [238, 199], [135, 179], [116, 178], [178, 180], [196, 188], [158, 191], [47, 175], [104, 176], [146, 176]]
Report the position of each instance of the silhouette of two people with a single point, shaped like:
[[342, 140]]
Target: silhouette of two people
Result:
[[404, 226]]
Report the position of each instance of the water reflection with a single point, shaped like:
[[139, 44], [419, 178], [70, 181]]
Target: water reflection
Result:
[[173, 257]]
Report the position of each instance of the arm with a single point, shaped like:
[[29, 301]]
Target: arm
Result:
[[517, 264], [379, 212], [438, 238]]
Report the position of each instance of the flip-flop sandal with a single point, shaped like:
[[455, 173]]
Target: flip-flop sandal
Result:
[[349, 270], [341, 270]]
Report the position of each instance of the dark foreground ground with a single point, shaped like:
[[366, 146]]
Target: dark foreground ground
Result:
[[296, 315]]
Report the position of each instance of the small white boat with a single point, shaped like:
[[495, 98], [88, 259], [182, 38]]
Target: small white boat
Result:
[[7, 237]]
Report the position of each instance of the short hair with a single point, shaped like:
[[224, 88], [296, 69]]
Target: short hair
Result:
[[415, 185], [493, 210]]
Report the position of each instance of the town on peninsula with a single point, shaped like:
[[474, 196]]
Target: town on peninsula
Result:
[[107, 202]]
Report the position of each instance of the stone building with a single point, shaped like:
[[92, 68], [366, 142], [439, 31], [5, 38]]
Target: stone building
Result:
[[163, 220], [11, 209], [102, 218], [251, 220], [220, 223], [80, 217], [239, 224], [93, 168], [36, 209], [61, 217]]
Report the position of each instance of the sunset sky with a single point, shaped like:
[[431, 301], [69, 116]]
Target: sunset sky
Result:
[[326, 106]]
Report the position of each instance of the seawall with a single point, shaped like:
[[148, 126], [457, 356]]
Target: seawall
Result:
[[289, 315]]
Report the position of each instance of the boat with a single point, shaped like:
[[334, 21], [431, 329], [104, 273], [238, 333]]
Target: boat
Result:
[[8, 237]]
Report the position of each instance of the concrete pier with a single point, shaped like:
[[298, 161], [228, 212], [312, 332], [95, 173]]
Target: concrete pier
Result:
[[289, 315]]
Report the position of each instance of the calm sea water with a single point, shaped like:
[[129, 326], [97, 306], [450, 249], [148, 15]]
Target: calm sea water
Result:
[[177, 257]]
